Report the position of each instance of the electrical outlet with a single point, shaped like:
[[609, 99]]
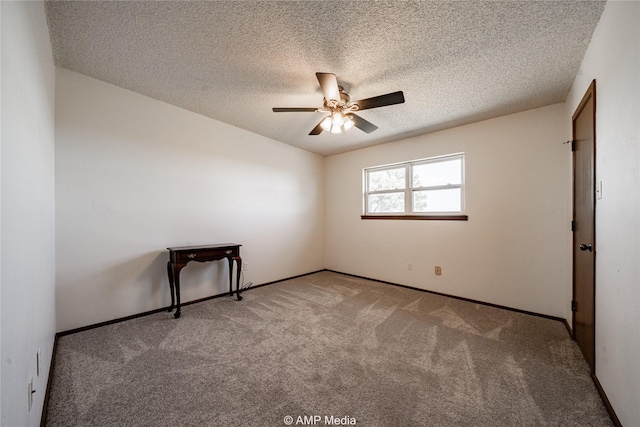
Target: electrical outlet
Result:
[[438, 270], [30, 390], [245, 266], [409, 266]]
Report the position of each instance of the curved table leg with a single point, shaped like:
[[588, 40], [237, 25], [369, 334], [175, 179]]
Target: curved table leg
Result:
[[238, 261], [171, 286], [176, 277], [230, 275]]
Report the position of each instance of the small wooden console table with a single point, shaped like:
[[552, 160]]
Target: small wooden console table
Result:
[[180, 256]]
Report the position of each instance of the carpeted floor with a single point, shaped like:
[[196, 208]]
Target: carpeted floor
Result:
[[326, 345]]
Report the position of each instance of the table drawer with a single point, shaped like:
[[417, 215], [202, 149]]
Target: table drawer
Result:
[[203, 255]]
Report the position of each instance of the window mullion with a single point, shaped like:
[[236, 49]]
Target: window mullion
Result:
[[397, 190], [408, 197], [438, 187]]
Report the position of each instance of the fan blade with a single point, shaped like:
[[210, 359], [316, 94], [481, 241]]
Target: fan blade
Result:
[[329, 84], [292, 110], [381, 101], [317, 130], [363, 124]]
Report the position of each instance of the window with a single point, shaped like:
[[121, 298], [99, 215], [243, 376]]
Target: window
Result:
[[421, 189]]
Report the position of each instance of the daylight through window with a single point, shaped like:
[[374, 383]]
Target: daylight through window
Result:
[[422, 187]]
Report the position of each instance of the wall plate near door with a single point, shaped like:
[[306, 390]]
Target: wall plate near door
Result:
[[30, 392]]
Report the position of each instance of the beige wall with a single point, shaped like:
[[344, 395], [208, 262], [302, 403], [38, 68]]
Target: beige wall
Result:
[[613, 60], [27, 209], [515, 248], [135, 175]]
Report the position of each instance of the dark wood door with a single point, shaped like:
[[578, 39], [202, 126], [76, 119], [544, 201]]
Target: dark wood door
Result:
[[584, 248]]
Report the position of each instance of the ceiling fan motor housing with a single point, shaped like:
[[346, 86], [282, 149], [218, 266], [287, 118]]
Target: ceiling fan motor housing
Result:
[[344, 97]]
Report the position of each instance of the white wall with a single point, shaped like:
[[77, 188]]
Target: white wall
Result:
[[613, 60], [515, 248], [27, 209], [135, 176]]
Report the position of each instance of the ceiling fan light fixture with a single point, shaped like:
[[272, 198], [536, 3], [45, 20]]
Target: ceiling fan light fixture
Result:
[[338, 120], [326, 123], [348, 123]]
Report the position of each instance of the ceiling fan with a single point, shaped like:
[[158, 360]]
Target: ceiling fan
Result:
[[341, 109]]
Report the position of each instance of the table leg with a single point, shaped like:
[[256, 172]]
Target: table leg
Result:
[[238, 269], [176, 276], [230, 275], [171, 287]]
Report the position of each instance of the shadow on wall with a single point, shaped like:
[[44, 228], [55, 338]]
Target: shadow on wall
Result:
[[141, 283], [136, 285], [197, 280], [138, 281]]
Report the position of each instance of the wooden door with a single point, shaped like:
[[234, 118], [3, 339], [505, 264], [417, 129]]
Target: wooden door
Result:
[[584, 249]]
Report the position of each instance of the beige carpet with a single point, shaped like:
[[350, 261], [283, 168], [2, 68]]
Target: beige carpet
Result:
[[326, 345]]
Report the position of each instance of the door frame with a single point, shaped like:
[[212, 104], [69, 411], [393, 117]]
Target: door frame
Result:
[[590, 94]]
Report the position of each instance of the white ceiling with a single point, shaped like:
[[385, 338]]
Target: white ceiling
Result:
[[457, 62]]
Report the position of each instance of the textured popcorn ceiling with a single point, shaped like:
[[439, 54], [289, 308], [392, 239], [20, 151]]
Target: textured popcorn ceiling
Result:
[[456, 61]]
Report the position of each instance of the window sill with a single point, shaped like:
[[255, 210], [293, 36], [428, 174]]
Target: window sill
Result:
[[419, 217]]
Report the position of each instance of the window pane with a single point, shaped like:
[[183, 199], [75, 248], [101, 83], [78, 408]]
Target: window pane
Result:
[[447, 200], [438, 173], [386, 203], [388, 179]]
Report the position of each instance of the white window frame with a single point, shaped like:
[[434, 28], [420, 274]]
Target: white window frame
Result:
[[409, 189]]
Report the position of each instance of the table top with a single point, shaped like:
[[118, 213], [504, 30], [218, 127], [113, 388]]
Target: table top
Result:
[[213, 246]]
